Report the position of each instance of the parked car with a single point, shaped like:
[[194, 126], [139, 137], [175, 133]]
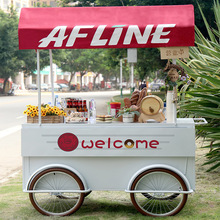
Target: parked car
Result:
[[56, 87], [64, 88], [155, 86], [31, 87], [44, 87]]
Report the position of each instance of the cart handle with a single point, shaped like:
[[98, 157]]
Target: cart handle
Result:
[[200, 121]]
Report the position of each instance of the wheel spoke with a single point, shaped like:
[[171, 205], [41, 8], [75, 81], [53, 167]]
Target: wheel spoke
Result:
[[56, 203], [157, 203]]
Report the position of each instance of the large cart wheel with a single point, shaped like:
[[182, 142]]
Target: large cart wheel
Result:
[[56, 203], [158, 203]]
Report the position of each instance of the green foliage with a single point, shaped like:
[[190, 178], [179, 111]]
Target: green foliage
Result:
[[148, 62], [204, 95], [8, 46], [13, 60]]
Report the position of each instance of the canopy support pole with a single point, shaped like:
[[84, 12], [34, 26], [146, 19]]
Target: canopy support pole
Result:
[[39, 87], [121, 77], [132, 78], [51, 77], [175, 96]]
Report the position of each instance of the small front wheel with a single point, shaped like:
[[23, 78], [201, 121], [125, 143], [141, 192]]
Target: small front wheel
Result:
[[158, 203], [56, 203]]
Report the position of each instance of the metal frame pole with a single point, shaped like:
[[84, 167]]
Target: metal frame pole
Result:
[[121, 77], [175, 96], [132, 77], [39, 87], [51, 77]]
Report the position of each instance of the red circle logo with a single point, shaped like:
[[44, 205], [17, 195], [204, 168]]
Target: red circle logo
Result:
[[68, 142]]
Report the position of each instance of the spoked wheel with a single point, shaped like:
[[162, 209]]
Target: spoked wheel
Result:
[[56, 203], [159, 203]]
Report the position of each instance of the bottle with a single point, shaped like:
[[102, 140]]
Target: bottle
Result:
[[80, 106], [85, 110], [92, 112], [77, 105], [67, 103], [63, 103], [55, 100]]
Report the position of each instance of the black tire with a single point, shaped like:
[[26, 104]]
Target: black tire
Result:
[[56, 203], [158, 204]]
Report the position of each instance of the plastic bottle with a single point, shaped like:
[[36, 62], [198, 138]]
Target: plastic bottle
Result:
[[92, 111], [85, 110], [55, 100]]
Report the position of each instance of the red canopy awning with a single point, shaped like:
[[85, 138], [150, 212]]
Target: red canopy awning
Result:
[[106, 27]]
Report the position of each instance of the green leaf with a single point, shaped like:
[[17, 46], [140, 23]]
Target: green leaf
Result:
[[214, 167]]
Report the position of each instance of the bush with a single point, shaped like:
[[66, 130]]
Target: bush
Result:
[[203, 97]]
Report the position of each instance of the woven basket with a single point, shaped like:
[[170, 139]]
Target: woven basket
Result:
[[46, 119]]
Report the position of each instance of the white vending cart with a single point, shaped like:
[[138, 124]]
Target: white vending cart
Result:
[[63, 163]]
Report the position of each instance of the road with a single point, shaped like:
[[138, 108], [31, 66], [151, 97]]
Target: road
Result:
[[11, 118]]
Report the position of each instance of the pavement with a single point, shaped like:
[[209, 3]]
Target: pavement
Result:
[[10, 157]]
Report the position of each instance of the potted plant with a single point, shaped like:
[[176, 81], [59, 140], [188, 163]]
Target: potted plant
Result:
[[128, 114]]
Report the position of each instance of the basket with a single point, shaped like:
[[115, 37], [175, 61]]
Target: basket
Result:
[[50, 119]]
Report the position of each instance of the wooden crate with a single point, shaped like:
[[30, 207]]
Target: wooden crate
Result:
[[46, 119]]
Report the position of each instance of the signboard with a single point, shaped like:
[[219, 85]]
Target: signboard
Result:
[[132, 55], [106, 27], [174, 52]]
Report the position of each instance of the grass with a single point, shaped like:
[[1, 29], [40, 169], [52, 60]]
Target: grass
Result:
[[203, 204]]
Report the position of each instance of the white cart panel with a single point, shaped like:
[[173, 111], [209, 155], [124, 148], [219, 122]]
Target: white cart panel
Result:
[[101, 155], [155, 140], [109, 173]]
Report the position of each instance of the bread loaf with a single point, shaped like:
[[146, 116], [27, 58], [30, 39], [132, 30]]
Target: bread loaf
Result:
[[143, 93], [134, 97], [127, 102]]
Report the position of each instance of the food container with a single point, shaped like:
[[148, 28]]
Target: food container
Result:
[[115, 106]]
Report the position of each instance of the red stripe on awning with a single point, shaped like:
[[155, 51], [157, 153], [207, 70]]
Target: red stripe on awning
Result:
[[106, 27]]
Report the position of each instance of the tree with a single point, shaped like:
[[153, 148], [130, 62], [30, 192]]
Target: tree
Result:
[[77, 60], [112, 63], [81, 3], [29, 60], [9, 62], [148, 62], [13, 60], [67, 61]]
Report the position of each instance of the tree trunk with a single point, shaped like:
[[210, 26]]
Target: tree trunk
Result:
[[4, 85], [71, 77], [94, 80], [81, 76]]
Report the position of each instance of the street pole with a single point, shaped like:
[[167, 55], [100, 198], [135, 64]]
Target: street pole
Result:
[[132, 58]]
